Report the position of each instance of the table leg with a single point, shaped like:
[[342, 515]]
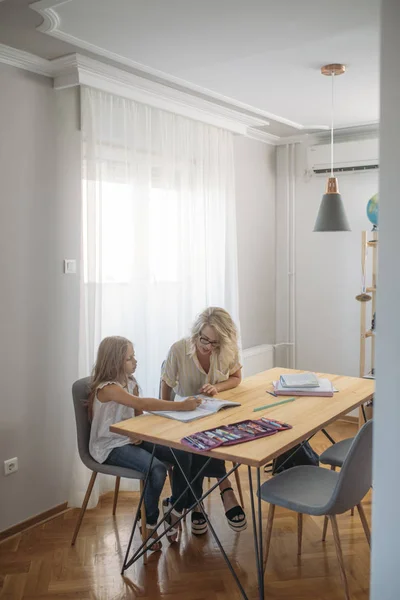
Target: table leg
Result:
[[257, 531], [215, 536], [141, 500], [260, 535], [141, 550], [330, 438], [363, 412]]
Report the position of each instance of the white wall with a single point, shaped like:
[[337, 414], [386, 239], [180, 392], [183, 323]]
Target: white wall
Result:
[[255, 212], [39, 312], [385, 562], [39, 226], [327, 270]]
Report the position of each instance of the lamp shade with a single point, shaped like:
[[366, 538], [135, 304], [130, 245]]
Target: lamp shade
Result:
[[331, 215]]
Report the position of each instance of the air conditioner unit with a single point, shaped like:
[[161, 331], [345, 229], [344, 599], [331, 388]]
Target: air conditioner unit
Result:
[[348, 157]]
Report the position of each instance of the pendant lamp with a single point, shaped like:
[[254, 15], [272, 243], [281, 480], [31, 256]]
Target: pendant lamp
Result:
[[331, 214]]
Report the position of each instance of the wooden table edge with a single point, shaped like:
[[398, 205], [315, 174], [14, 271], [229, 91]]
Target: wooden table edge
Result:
[[225, 449]]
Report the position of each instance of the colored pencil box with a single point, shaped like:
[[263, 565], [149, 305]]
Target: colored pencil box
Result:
[[235, 433]]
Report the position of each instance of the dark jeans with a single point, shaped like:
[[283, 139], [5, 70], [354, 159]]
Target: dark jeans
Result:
[[139, 458], [215, 468]]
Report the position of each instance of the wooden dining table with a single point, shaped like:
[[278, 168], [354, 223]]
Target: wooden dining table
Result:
[[306, 414]]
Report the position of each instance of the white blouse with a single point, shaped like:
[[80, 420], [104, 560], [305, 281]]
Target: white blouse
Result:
[[183, 372], [105, 414]]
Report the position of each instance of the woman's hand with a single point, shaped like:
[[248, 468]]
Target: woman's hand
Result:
[[189, 404], [209, 389]]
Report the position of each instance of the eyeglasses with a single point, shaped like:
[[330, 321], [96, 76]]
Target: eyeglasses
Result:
[[206, 342]]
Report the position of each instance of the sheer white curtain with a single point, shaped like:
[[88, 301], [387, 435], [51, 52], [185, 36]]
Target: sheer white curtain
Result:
[[159, 233]]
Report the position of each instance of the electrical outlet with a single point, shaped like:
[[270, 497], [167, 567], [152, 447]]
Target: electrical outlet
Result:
[[10, 466]]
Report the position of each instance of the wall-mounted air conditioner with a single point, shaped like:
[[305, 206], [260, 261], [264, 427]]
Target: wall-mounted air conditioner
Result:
[[348, 157]]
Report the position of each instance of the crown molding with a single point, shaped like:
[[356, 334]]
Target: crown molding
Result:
[[52, 26], [76, 69], [25, 60], [350, 133], [47, 10], [262, 136]]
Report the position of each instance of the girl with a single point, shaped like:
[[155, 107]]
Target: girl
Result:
[[113, 398], [207, 363]]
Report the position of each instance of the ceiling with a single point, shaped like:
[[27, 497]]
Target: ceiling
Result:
[[263, 56]]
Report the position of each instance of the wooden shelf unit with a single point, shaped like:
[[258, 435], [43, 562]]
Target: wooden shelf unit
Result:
[[365, 330]]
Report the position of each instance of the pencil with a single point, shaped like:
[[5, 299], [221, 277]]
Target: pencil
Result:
[[273, 404]]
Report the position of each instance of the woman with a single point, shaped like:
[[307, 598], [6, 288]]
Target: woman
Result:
[[207, 363]]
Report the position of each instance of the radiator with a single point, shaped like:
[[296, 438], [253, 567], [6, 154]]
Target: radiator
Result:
[[257, 359]]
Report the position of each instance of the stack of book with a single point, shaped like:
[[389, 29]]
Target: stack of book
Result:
[[303, 384]]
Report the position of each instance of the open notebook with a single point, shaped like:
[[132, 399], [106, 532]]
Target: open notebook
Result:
[[209, 406]]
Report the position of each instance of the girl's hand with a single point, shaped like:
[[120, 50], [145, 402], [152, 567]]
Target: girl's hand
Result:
[[189, 404], [209, 389]]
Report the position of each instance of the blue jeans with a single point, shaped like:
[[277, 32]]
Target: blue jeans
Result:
[[215, 468], [139, 458]]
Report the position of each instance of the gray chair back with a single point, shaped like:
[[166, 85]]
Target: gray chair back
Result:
[[80, 395], [172, 397], [355, 477]]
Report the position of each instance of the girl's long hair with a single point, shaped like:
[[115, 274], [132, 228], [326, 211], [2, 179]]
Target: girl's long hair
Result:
[[222, 322], [110, 365]]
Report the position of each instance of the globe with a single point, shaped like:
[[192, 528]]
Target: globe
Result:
[[373, 209]]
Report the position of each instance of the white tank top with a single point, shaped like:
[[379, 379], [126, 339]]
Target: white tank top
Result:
[[105, 414]]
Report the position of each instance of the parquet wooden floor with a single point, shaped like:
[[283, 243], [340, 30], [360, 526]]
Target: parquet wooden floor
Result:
[[40, 564]]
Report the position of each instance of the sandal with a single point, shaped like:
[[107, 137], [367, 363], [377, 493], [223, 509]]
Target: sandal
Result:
[[235, 516], [153, 546], [199, 523], [168, 511]]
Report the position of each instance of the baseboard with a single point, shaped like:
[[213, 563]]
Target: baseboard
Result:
[[349, 419], [32, 521]]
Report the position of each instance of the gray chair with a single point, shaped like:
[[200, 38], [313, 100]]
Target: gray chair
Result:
[[335, 456], [318, 491], [80, 394], [237, 474]]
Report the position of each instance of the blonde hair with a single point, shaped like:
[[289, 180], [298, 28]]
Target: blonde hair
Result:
[[222, 322], [110, 365]]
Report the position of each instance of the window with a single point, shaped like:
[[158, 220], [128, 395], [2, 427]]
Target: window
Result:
[[135, 241]]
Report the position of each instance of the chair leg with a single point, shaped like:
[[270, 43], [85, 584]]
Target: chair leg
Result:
[[325, 528], [239, 485], [270, 521], [117, 482], [84, 505], [352, 512], [143, 521], [339, 554], [299, 532], [364, 523]]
